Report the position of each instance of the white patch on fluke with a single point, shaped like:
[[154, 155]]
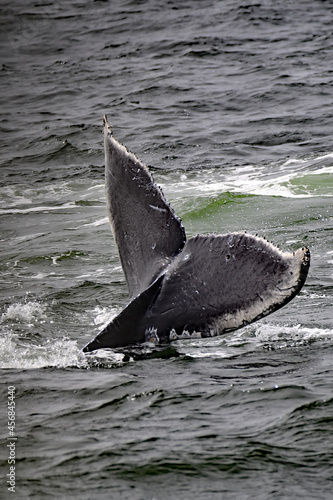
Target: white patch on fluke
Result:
[[159, 209]]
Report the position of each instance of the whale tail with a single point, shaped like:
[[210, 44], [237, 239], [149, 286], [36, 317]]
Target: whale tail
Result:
[[205, 286], [147, 232]]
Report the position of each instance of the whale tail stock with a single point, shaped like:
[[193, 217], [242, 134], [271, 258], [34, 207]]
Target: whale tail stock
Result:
[[202, 287]]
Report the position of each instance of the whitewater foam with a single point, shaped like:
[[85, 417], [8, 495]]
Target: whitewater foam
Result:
[[27, 312], [62, 353]]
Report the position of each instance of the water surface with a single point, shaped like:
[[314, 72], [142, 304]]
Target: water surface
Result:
[[230, 104]]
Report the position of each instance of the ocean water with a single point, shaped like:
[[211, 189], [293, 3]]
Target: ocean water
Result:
[[230, 105]]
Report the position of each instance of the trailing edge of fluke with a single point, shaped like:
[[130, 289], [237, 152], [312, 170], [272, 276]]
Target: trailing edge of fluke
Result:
[[200, 287]]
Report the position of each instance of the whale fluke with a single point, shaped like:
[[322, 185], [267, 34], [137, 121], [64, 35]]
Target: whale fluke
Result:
[[202, 287], [147, 232]]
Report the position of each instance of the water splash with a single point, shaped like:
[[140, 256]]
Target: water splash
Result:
[[28, 312], [290, 336], [103, 315], [64, 353], [254, 337]]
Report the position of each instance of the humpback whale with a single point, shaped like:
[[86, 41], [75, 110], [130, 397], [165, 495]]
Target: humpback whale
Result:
[[199, 287]]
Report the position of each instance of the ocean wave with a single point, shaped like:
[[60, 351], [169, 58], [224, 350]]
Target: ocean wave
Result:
[[43, 209], [254, 337], [291, 335], [49, 197], [60, 353], [27, 312], [295, 178]]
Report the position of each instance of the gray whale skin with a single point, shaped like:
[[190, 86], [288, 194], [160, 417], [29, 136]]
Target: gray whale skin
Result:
[[201, 287]]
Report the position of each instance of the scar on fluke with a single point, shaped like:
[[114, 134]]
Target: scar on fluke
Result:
[[185, 288]]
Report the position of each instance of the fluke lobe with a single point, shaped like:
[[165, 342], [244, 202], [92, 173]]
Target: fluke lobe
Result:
[[200, 287]]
